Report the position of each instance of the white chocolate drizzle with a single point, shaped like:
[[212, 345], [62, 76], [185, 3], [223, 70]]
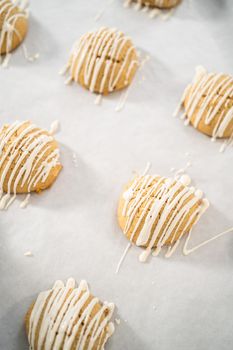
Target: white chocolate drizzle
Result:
[[64, 315], [124, 95], [28, 254], [108, 42], [123, 257], [75, 160], [55, 127], [33, 143], [188, 251], [206, 90], [174, 199], [9, 28], [118, 321], [25, 202]]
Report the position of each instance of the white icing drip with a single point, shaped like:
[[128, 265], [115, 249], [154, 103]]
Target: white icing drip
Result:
[[127, 3], [167, 15], [154, 12], [144, 255], [25, 202], [123, 257], [28, 254], [98, 99], [75, 160], [125, 95], [187, 251], [92, 50], [64, 70], [118, 321], [185, 180], [205, 91], [170, 204], [65, 313], [55, 127], [123, 99], [147, 168], [181, 171], [226, 143], [33, 145], [9, 28]]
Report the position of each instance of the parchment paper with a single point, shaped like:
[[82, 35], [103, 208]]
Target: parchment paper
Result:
[[178, 303]]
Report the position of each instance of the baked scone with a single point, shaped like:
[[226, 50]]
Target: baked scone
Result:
[[29, 160], [155, 211], [162, 4], [13, 26], [103, 61], [208, 103], [69, 317]]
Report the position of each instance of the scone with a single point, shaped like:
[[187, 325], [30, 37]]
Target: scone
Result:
[[162, 4], [13, 26], [155, 211], [29, 160], [103, 61], [69, 317], [208, 103]]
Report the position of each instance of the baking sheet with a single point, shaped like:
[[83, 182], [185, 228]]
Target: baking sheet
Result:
[[177, 303]]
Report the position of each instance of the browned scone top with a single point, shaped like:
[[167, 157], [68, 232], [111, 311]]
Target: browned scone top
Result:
[[14, 25], [103, 61], [156, 211], [29, 158], [163, 4], [68, 317], [208, 103]]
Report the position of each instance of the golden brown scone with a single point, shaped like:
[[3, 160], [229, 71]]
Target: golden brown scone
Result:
[[103, 61], [208, 103], [68, 317], [13, 26], [154, 211], [29, 158], [163, 4]]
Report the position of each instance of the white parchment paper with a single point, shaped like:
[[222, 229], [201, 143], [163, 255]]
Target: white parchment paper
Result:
[[178, 303]]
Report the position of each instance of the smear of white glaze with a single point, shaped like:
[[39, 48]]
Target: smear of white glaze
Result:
[[28, 254], [98, 99], [25, 202], [123, 257], [55, 127], [75, 160], [187, 251]]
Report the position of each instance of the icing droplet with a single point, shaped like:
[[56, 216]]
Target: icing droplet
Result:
[[28, 254], [118, 321], [144, 255], [75, 160], [25, 202], [55, 127], [199, 194], [185, 180], [98, 99], [123, 257]]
